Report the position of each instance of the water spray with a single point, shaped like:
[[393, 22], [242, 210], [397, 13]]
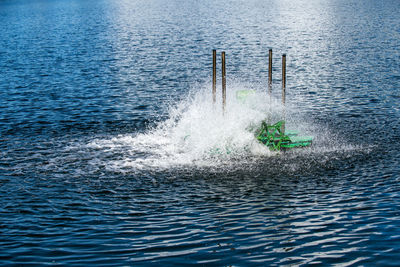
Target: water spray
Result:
[[274, 136]]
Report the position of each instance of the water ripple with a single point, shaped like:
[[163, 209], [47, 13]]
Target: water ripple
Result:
[[85, 178]]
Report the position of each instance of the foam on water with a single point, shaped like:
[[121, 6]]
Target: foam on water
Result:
[[198, 133]]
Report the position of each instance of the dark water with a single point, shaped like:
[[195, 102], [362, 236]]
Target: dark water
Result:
[[81, 82]]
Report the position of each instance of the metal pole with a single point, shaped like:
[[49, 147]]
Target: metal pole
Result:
[[270, 72], [214, 76], [283, 91], [283, 79], [223, 82]]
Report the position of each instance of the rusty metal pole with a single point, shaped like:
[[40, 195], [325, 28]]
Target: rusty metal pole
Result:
[[283, 79], [214, 76], [283, 91], [270, 73], [223, 82]]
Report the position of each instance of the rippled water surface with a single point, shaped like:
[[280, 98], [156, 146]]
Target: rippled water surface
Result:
[[112, 152]]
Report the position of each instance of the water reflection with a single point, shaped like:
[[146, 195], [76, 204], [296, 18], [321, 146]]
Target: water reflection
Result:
[[82, 78]]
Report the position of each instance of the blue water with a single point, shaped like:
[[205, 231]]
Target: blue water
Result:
[[96, 95]]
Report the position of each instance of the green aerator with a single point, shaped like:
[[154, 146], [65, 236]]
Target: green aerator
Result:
[[274, 136]]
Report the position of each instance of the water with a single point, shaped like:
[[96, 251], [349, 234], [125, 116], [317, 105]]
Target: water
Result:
[[113, 154]]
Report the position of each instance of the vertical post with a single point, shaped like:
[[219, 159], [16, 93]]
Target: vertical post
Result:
[[214, 76], [270, 72], [223, 82], [283, 91], [283, 79]]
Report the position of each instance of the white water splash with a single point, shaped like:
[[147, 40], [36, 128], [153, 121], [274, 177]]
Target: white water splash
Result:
[[197, 132]]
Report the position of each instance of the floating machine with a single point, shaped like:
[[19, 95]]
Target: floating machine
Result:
[[274, 136]]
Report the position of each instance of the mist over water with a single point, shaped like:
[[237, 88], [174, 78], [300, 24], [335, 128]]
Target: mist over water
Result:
[[112, 152], [198, 134]]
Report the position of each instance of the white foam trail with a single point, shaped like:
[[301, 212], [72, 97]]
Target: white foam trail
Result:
[[198, 133]]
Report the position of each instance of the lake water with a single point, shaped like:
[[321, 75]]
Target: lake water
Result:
[[112, 153]]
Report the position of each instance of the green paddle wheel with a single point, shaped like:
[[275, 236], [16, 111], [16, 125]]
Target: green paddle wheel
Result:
[[276, 138]]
